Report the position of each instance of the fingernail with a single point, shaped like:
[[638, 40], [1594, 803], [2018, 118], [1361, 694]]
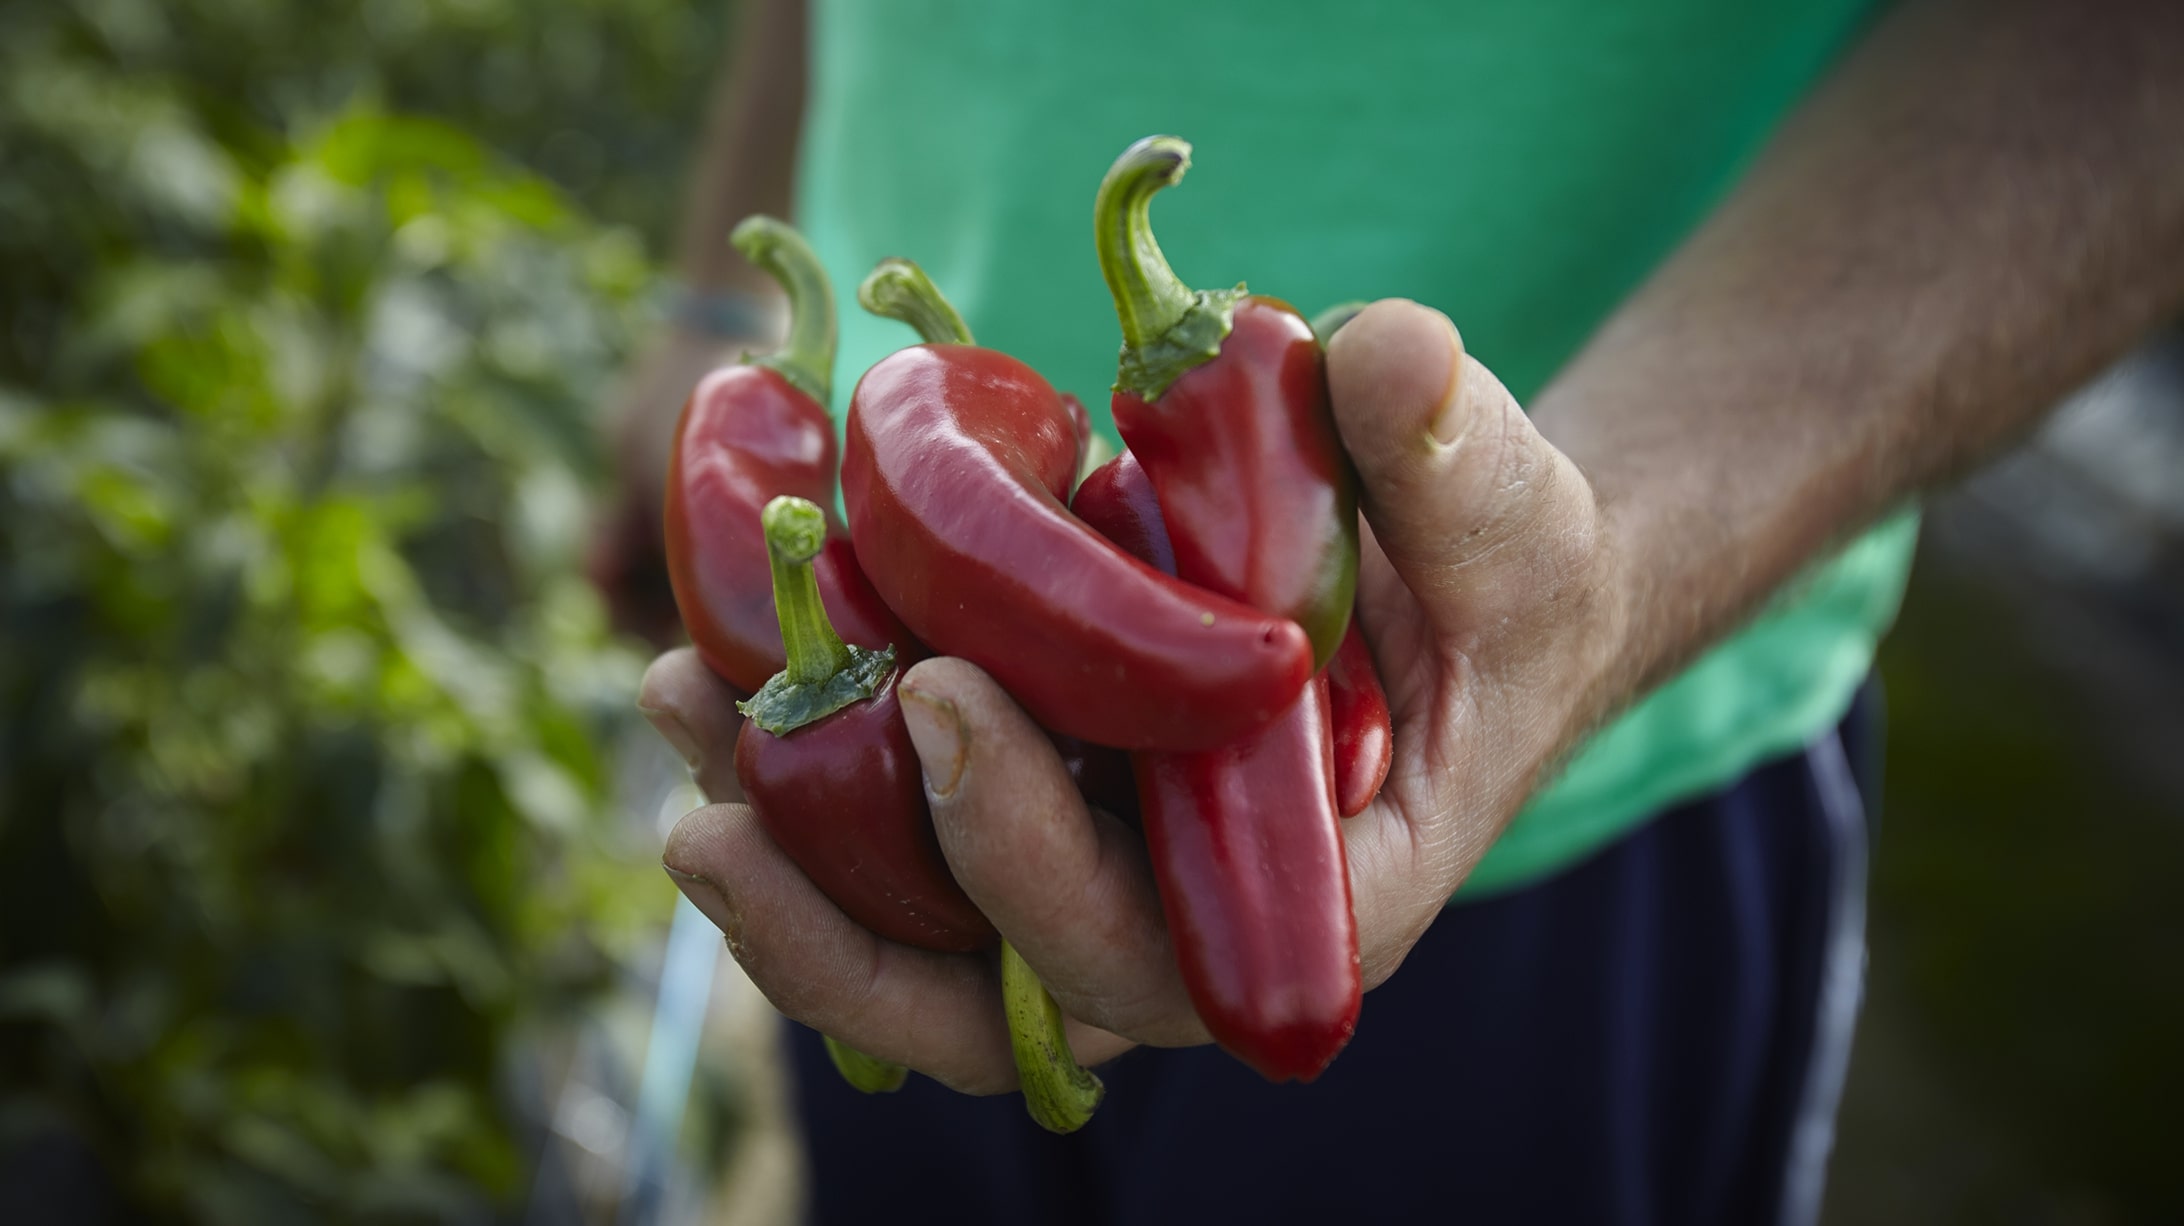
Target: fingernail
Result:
[[1452, 417], [672, 730], [936, 728], [711, 900]]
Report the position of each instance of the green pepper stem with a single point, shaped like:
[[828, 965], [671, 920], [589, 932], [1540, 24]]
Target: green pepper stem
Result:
[[1149, 298], [1167, 327], [899, 290], [807, 359], [796, 531], [1059, 1093], [867, 1073]]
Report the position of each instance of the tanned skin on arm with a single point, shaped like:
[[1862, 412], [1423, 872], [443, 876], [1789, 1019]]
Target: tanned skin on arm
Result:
[[1983, 208]]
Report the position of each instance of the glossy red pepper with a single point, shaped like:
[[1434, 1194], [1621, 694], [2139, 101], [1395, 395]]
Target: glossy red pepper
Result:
[[828, 766], [1364, 733], [1224, 399], [749, 432], [874, 853], [1081, 423], [957, 466], [1118, 500], [1248, 852]]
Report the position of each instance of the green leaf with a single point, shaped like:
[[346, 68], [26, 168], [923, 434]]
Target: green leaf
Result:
[[782, 706]]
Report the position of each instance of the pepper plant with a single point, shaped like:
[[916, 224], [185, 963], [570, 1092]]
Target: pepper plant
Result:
[[306, 822]]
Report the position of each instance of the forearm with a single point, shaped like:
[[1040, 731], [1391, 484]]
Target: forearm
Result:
[[1983, 208], [747, 163]]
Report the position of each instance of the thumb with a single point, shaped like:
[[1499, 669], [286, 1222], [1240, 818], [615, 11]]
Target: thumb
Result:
[[1472, 507]]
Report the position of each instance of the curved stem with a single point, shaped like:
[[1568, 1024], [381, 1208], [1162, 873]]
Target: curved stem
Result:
[[868, 1073], [807, 359], [1059, 1093], [1168, 329], [1149, 298], [898, 289], [796, 531], [824, 674]]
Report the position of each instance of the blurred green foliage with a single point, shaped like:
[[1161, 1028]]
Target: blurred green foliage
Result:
[[305, 810]]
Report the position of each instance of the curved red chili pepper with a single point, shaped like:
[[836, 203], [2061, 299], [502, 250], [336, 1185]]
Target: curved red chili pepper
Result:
[[957, 464], [1253, 877], [845, 799], [1364, 733], [1081, 423], [828, 767], [827, 764], [1224, 399], [1248, 852], [750, 432], [1117, 499]]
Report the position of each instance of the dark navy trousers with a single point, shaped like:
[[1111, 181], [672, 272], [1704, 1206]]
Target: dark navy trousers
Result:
[[1655, 1036]]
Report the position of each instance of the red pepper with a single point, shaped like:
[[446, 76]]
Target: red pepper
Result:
[[749, 432], [957, 465], [828, 766], [1364, 733], [1248, 852], [1224, 399], [1117, 499], [1081, 423]]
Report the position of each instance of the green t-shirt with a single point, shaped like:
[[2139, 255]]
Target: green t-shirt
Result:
[[1521, 165]]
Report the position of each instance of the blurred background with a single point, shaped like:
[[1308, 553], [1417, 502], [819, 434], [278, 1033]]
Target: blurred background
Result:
[[328, 834]]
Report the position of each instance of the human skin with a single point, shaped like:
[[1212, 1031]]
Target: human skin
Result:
[[1983, 207], [746, 165]]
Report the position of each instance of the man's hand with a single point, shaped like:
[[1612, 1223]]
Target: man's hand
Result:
[[1981, 208], [1493, 609]]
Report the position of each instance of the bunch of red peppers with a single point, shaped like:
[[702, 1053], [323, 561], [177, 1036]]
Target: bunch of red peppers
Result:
[[1180, 621]]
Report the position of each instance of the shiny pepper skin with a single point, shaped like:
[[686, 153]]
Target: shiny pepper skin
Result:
[[1258, 494], [1247, 850], [746, 435], [957, 464], [845, 799], [1364, 732]]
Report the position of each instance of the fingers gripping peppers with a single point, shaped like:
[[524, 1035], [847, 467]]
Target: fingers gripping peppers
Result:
[[1248, 853], [827, 765], [957, 464], [1223, 397], [749, 432]]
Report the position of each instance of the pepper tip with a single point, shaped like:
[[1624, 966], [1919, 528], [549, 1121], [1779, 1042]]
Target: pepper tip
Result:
[[796, 530], [1161, 159], [755, 234]]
